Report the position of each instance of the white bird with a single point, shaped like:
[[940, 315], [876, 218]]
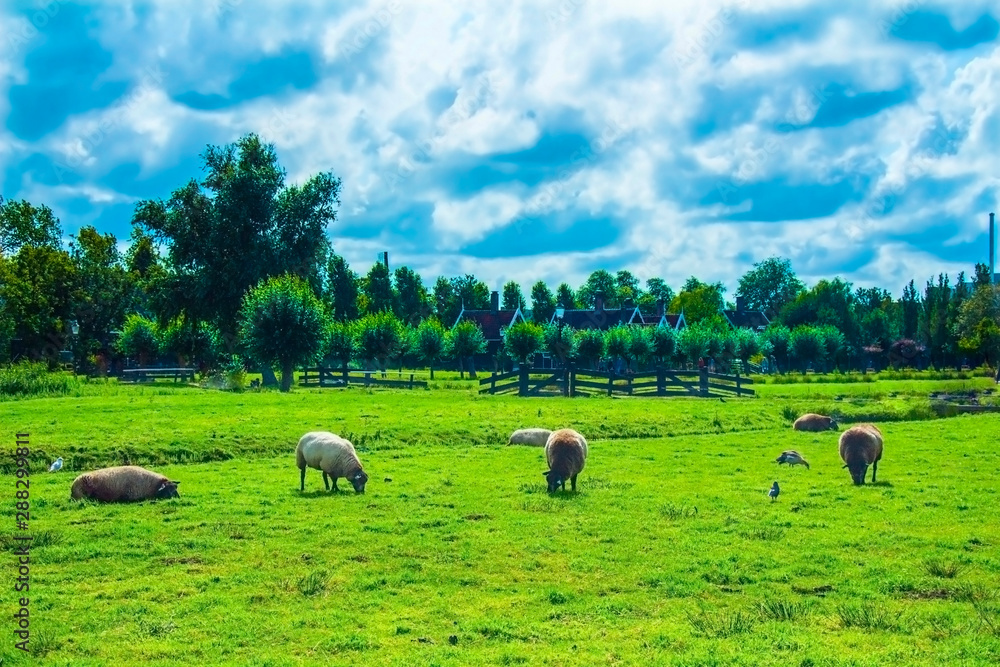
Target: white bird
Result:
[[774, 492], [56, 465]]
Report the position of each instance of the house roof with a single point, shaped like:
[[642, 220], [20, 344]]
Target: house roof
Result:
[[491, 321], [600, 319], [747, 319]]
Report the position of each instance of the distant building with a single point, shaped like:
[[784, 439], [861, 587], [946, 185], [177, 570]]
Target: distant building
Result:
[[598, 317], [493, 322], [661, 318], [741, 318]]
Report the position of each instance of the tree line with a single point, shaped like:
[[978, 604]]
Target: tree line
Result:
[[247, 274]]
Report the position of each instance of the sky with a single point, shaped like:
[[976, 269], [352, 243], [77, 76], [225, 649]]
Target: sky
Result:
[[536, 140]]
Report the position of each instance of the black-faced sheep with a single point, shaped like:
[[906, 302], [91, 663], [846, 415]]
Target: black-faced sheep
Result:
[[566, 454], [123, 484], [792, 458], [332, 454], [860, 447], [536, 437], [814, 422]]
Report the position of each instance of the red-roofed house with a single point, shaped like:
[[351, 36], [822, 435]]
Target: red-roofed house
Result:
[[492, 322]]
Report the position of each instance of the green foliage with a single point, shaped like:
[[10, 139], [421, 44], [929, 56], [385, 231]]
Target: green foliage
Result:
[[429, 342], [412, 298], [513, 298], [189, 342], [627, 287], [617, 341], [693, 342], [602, 284], [341, 344], [380, 337], [543, 304], [807, 345], [590, 345], [769, 286], [341, 291], [559, 341], [522, 340], [24, 225], [463, 341], [699, 301], [240, 226], [446, 304], [27, 379], [283, 324], [640, 345], [378, 291], [565, 297], [659, 290], [663, 343], [139, 339]]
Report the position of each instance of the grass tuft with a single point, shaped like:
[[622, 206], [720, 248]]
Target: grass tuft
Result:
[[943, 569], [869, 616], [721, 624], [782, 610], [313, 583]]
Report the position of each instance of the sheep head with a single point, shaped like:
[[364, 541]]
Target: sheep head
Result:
[[555, 481], [358, 480], [833, 425], [858, 470], [168, 489]]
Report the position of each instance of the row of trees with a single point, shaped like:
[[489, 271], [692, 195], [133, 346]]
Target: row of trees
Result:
[[242, 225]]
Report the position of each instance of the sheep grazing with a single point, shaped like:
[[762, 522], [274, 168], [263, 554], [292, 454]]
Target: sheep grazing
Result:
[[814, 422], [566, 454], [860, 447], [332, 454], [792, 458], [123, 484], [535, 437]]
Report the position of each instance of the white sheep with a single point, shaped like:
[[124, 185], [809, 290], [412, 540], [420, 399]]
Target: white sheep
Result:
[[332, 454], [535, 437]]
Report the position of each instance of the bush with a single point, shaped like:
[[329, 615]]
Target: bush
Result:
[[590, 345], [522, 340], [559, 341], [429, 342], [27, 378], [196, 343], [379, 337], [463, 341], [139, 339]]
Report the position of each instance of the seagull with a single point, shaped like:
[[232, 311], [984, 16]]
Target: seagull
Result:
[[792, 457], [774, 492], [56, 465]]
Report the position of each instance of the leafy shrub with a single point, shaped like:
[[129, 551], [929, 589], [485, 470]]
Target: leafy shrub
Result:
[[27, 378]]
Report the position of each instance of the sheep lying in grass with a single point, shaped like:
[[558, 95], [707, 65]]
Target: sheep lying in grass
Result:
[[535, 437], [566, 454], [792, 458], [123, 484], [814, 422], [332, 454], [860, 447]]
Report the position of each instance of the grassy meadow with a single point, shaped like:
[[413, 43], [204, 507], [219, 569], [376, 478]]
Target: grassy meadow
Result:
[[670, 553]]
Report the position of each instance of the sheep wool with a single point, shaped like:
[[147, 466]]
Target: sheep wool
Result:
[[123, 484], [535, 437], [860, 447], [814, 422], [332, 454], [566, 454]]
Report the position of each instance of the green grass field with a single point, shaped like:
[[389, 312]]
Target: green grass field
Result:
[[670, 553]]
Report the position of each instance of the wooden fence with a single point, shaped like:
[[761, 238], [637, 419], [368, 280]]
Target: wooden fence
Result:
[[329, 377], [659, 382]]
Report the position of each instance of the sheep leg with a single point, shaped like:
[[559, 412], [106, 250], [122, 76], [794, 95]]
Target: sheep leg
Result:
[[302, 479], [874, 471], [326, 481], [572, 483], [334, 483]]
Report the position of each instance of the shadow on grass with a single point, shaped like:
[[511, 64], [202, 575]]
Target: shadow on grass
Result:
[[322, 493]]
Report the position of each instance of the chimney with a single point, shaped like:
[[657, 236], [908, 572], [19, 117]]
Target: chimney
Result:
[[495, 301], [993, 247], [599, 303], [740, 304], [661, 308]]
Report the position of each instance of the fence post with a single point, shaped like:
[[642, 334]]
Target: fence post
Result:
[[522, 381], [611, 381], [572, 382], [703, 381], [493, 384], [737, 383], [411, 380], [565, 387], [661, 381]]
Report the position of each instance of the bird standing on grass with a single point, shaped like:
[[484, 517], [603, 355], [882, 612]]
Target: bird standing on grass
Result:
[[774, 492], [56, 465]]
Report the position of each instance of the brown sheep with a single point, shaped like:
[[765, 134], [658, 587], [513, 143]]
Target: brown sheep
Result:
[[123, 484], [860, 447], [814, 422], [566, 454]]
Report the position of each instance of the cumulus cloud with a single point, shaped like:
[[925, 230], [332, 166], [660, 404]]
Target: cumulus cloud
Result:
[[532, 141]]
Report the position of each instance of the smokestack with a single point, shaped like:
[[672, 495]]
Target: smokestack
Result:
[[740, 304], [495, 301], [993, 247], [661, 308], [598, 303]]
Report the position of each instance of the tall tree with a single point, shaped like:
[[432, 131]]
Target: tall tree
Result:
[[769, 285], [341, 291], [22, 224], [627, 287], [471, 292], [413, 300], [602, 284], [513, 298], [446, 304], [241, 225], [565, 297], [699, 301], [983, 276], [911, 310], [377, 287], [543, 304], [657, 289]]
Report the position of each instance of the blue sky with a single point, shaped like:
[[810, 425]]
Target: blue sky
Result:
[[537, 140]]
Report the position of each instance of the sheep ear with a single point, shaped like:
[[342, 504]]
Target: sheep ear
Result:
[[845, 465]]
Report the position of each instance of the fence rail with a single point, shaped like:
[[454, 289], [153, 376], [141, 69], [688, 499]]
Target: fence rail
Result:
[[328, 377], [660, 382]]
